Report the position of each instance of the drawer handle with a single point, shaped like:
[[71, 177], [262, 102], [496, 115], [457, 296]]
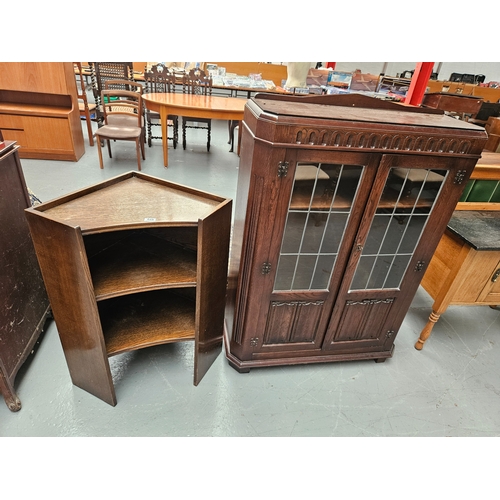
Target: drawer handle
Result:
[[495, 276]]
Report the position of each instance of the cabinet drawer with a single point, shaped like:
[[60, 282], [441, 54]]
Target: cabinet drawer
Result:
[[491, 292], [11, 122]]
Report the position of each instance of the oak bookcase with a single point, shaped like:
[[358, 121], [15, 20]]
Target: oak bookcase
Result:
[[341, 202]]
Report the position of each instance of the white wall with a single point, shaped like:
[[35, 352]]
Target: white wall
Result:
[[491, 70]]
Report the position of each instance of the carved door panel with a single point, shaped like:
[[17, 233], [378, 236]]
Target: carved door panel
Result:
[[322, 195], [392, 248]]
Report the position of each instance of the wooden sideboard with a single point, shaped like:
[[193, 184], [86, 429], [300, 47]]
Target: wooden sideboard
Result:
[[39, 110], [25, 305], [465, 269], [274, 72], [489, 94]]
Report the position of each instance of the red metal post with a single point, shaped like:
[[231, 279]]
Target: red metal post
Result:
[[418, 83]]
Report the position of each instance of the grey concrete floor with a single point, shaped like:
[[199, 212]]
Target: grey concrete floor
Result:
[[450, 388]]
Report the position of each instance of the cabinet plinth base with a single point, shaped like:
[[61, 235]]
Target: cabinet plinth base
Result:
[[244, 366]]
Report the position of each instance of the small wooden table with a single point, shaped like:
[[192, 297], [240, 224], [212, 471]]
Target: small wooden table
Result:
[[195, 106], [465, 268]]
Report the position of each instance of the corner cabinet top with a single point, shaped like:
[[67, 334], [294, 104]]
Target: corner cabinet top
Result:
[[130, 201], [360, 123]]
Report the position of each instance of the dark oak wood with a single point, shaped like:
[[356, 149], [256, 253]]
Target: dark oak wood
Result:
[[385, 150], [129, 263], [25, 305]]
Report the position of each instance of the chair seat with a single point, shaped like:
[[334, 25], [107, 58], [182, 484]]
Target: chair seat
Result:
[[118, 133], [123, 121]]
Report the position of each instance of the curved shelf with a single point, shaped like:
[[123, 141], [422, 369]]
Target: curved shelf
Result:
[[139, 262], [134, 321]]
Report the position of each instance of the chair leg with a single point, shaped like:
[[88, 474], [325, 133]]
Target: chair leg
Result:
[[109, 148], [209, 134], [89, 127], [99, 151], [139, 146], [143, 150], [149, 132], [183, 134], [176, 131]]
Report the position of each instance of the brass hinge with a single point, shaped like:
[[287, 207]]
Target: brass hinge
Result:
[[266, 268], [282, 168]]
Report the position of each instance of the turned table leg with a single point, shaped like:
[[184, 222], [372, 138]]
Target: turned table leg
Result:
[[425, 333]]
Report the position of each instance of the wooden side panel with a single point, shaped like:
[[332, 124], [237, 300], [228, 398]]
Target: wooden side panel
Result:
[[212, 268], [45, 77], [444, 264], [61, 254], [25, 305], [24, 300]]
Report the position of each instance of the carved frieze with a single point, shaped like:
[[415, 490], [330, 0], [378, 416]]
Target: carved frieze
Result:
[[362, 140]]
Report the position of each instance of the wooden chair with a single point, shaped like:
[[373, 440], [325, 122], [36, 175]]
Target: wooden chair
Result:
[[100, 73], [160, 80], [86, 109], [123, 119], [196, 81]]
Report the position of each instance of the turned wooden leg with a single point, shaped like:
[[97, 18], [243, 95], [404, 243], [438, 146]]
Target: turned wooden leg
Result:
[[425, 333]]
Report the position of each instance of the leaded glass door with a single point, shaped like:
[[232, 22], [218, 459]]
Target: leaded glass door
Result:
[[390, 252], [312, 243]]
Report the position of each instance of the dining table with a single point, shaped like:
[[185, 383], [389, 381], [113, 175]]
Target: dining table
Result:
[[193, 106]]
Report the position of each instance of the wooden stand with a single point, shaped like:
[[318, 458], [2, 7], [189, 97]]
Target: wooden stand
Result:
[[129, 263], [25, 305]]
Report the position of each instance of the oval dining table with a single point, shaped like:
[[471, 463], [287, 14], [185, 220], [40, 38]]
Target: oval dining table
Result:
[[193, 106]]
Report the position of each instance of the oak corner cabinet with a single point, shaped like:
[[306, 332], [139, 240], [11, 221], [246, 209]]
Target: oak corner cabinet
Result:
[[341, 202], [129, 263]]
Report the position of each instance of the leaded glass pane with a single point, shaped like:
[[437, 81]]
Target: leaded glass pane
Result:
[[404, 207], [318, 213]]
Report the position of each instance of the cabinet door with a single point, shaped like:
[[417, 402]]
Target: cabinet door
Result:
[[410, 204], [491, 292], [300, 269]]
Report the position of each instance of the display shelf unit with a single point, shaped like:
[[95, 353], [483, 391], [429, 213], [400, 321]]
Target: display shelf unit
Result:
[[129, 263], [341, 202], [25, 305]]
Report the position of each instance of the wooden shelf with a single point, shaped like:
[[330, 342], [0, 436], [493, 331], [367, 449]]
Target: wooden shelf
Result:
[[141, 262], [143, 320], [301, 200]]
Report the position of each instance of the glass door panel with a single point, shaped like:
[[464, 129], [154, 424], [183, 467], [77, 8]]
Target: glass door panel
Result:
[[318, 213], [401, 215]]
